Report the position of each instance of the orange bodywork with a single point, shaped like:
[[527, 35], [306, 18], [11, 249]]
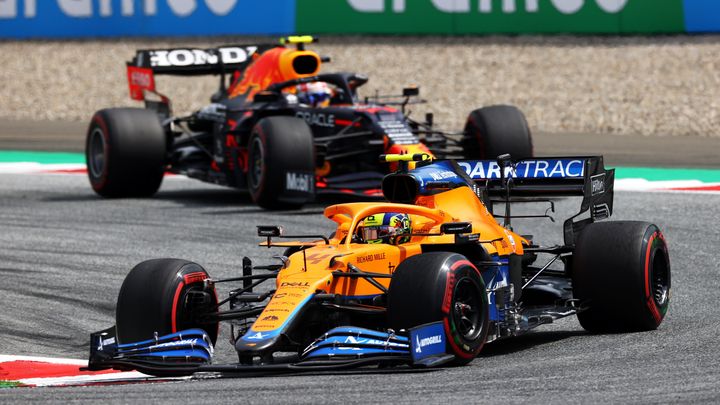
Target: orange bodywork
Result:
[[307, 275], [279, 65], [272, 66]]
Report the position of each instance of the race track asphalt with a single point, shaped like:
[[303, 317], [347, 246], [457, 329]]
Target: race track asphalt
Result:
[[64, 253], [618, 150]]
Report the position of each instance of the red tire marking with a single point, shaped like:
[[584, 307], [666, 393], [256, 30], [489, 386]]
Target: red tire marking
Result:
[[456, 349], [176, 298], [465, 262]]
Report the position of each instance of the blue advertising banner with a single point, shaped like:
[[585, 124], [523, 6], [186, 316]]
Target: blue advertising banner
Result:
[[113, 18], [702, 15]]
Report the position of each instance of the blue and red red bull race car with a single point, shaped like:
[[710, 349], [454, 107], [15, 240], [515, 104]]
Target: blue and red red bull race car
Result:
[[276, 127], [425, 279]]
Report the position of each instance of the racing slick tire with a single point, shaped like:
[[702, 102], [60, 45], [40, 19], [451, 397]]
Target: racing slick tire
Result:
[[281, 170], [125, 152], [441, 286], [163, 296], [496, 130], [621, 275]]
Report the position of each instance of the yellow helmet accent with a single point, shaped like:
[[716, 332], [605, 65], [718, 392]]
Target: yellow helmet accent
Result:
[[297, 39], [373, 220]]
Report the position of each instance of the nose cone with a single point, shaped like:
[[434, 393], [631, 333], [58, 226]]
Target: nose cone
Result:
[[257, 342], [269, 328]]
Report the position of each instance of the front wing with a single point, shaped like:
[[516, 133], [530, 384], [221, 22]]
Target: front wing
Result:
[[190, 351]]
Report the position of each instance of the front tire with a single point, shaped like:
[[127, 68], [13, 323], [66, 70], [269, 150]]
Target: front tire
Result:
[[281, 173], [621, 274], [441, 286], [163, 296], [125, 152], [496, 130]]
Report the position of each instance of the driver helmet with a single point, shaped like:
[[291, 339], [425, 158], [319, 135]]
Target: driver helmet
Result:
[[316, 94], [381, 228]]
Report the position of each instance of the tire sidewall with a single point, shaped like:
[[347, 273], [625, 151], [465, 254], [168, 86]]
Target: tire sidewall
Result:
[[654, 245], [286, 149], [423, 290], [134, 152], [495, 130], [98, 123], [151, 299], [475, 128], [464, 271], [613, 266], [258, 137]]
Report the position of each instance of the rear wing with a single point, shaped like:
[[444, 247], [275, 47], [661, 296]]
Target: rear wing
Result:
[[531, 177], [513, 181], [584, 177], [147, 63], [543, 177]]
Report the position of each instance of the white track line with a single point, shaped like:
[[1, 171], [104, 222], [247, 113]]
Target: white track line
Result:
[[34, 167], [52, 360]]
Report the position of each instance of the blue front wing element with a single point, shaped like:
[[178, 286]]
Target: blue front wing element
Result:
[[425, 345], [428, 341], [190, 347], [356, 342], [190, 351]]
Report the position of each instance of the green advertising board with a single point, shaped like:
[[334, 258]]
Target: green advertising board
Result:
[[489, 16]]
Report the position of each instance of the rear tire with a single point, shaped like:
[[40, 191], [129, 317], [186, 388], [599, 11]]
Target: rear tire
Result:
[[154, 298], [496, 130], [281, 172], [441, 286], [621, 273], [125, 152]]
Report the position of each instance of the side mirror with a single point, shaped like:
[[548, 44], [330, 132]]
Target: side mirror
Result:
[[411, 91], [455, 228], [503, 159], [269, 231]]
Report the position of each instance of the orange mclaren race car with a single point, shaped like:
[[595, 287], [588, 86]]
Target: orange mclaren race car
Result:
[[425, 279], [276, 127]]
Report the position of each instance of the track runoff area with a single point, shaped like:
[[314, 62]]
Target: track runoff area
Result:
[[27, 371], [626, 178]]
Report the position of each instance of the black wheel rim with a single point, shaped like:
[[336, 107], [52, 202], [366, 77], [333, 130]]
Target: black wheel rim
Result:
[[189, 316], [467, 314], [660, 278], [256, 164], [96, 153]]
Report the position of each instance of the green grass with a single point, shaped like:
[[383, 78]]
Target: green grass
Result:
[[659, 174], [15, 156]]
